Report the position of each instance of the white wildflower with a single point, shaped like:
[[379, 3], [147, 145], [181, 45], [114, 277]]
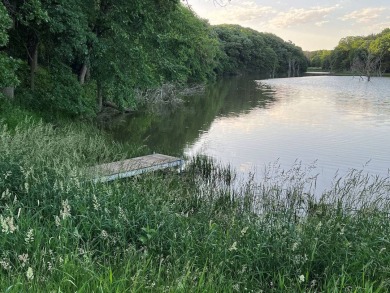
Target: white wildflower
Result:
[[57, 221], [243, 231], [313, 283], [295, 246], [7, 225], [23, 258], [234, 246], [96, 204], [6, 194], [65, 212], [243, 270], [236, 287], [4, 225], [5, 264], [30, 274], [122, 215], [301, 278], [104, 234], [29, 236], [26, 187], [11, 225]]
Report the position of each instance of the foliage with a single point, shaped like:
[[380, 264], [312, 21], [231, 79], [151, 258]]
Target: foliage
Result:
[[8, 65], [246, 50], [122, 47], [363, 55], [320, 58], [192, 232]]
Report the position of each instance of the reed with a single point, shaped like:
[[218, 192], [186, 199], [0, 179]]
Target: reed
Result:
[[198, 231]]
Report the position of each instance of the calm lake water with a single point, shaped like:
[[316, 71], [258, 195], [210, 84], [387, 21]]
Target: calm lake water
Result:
[[333, 123]]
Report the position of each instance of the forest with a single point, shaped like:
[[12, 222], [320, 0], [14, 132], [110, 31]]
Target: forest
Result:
[[363, 55], [73, 57]]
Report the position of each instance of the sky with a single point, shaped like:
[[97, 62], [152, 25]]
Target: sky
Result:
[[310, 24]]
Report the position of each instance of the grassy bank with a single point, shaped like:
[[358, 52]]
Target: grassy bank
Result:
[[169, 232]]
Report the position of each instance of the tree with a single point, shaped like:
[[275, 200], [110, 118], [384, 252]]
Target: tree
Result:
[[8, 65]]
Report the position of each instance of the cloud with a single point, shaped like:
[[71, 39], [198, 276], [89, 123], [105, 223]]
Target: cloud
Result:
[[379, 26], [239, 13], [299, 16], [321, 23], [365, 15]]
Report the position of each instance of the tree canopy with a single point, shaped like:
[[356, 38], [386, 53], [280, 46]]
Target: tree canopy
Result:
[[365, 55], [73, 56]]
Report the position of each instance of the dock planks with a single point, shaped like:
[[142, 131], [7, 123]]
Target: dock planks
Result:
[[135, 166]]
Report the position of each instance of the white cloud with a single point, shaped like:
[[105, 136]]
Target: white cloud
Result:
[[238, 13], [321, 23], [378, 27], [300, 16], [365, 15]]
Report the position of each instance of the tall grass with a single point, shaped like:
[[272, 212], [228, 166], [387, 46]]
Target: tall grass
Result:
[[189, 232]]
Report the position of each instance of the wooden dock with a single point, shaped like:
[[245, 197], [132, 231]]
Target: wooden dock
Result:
[[135, 166]]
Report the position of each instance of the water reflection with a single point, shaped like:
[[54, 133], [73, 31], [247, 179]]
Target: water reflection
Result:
[[338, 122], [171, 132]]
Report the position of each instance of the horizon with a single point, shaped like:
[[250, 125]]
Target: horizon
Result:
[[312, 27]]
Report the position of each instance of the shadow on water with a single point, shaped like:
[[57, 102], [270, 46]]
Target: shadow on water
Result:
[[170, 132]]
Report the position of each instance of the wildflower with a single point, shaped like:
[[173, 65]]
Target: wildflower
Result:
[[96, 204], [122, 215], [104, 234], [23, 258], [243, 270], [30, 274], [243, 231], [236, 287], [11, 225], [57, 221], [26, 187], [29, 236], [233, 247], [6, 194], [7, 225], [301, 278], [65, 213], [294, 246], [313, 283], [5, 264]]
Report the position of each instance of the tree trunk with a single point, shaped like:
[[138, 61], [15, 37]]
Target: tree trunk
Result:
[[99, 97], [33, 58], [83, 74]]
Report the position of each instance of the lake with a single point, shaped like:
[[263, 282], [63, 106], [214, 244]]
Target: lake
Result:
[[328, 122]]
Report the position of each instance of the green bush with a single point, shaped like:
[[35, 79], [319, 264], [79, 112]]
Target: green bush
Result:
[[58, 93]]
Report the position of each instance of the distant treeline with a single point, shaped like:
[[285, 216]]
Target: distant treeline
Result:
[[365, 55], [71, 56]]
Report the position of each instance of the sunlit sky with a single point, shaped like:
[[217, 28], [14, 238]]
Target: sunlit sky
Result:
[[310, 24]]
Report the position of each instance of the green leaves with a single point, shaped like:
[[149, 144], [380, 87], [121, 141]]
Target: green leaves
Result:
[[5, 24], [248, 50]]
